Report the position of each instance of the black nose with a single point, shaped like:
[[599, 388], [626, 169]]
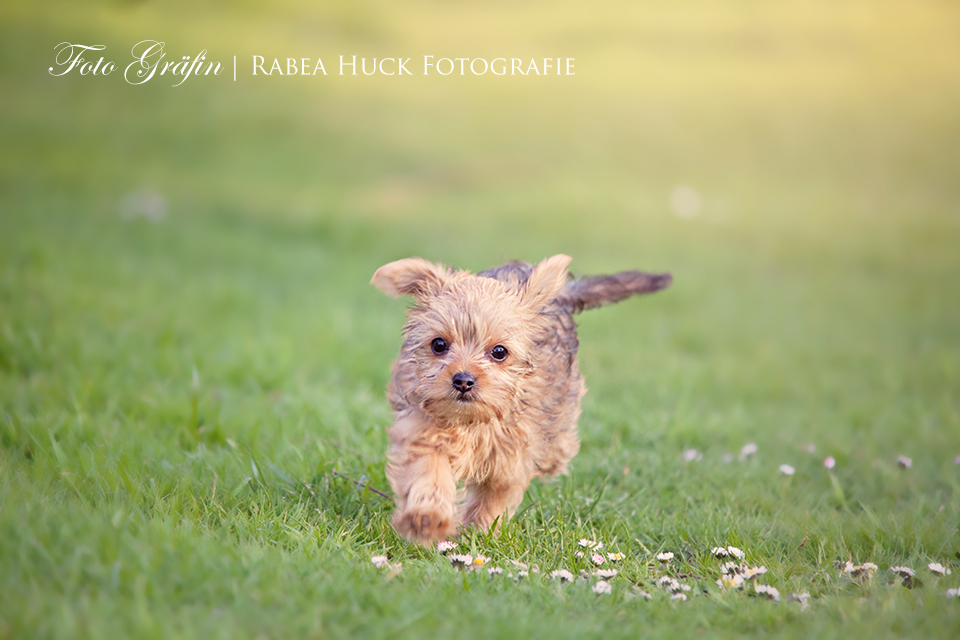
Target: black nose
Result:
[[463, 381]]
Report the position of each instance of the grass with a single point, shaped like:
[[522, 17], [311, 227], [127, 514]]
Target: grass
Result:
[[186, 404]]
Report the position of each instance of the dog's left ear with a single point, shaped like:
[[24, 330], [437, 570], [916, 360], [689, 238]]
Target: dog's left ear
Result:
[[547, 281], [411, 276]]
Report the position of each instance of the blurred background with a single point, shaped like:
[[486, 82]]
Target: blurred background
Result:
[[793, 164]]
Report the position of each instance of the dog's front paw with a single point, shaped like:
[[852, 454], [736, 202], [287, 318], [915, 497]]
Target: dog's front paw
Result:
[[424, 525]]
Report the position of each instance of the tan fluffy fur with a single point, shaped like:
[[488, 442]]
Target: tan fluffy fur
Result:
[[519, 419]]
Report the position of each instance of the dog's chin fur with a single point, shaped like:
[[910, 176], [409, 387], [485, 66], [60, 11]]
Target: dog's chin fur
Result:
[[517, 421]]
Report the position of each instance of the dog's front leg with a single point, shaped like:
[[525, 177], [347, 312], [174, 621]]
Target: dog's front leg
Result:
[[425, 490], [492, 498]]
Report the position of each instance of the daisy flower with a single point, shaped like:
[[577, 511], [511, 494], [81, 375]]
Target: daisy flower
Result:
[[829, 462], [460, 560], [787, 470], [720, 552], [602, 586], [734, 581], [747, 451], [904, 462], [736, 553], [939, 569], [953, 593], [679, 596], [859, 572], [380, 561], [691, 454], [597, 559], [665, 557], [802, 598], [766, 591], [614, 557], [605, 573], [668, 583], [446, 545], [903, 572], [494, 571], [753, 572], [563, 574], [731, 568]]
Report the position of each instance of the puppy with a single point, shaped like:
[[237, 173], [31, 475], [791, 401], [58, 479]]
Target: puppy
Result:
[[486, 389]]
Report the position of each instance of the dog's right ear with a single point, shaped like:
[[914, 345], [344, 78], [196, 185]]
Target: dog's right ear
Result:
[[411, 276]]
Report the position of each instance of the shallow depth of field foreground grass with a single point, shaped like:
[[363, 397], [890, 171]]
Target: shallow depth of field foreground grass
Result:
[[193, 364]]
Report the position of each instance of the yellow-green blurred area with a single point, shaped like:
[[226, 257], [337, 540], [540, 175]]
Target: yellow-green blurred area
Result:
[[765, 109]]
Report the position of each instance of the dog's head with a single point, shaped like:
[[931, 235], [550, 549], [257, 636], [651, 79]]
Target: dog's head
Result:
[[470, 339]]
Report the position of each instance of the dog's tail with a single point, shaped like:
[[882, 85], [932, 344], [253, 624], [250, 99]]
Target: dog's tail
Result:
[[590, 292]]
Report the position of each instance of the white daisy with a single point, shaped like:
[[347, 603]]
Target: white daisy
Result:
[[605, 573], [562, 574], [903, 572], [766, 591], [829, 462], [736, 553], [460, 560], [665, 557], [734, 581], [904, 462], [861, 572], [720, 552], [939, 569], [953, 593], [446, 545], [753, 572], [668, 583], [787, 470], [602, 586], [802, 598], [691, 454], [494, 571], [614, 557], [679, 596], [380, 561], [747, 451], [731, 568]]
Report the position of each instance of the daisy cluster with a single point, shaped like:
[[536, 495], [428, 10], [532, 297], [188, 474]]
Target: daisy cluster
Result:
[[735, 573], [750, 449]]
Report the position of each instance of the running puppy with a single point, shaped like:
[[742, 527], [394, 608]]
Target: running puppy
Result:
[[486, 389]]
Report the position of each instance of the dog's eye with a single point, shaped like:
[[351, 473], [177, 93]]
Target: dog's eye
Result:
[[439, 346], [499, 353]]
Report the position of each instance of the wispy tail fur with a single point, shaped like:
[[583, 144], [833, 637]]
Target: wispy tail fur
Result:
[[590, 292]]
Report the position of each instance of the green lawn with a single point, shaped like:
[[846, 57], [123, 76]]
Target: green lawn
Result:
[[187, 403]]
